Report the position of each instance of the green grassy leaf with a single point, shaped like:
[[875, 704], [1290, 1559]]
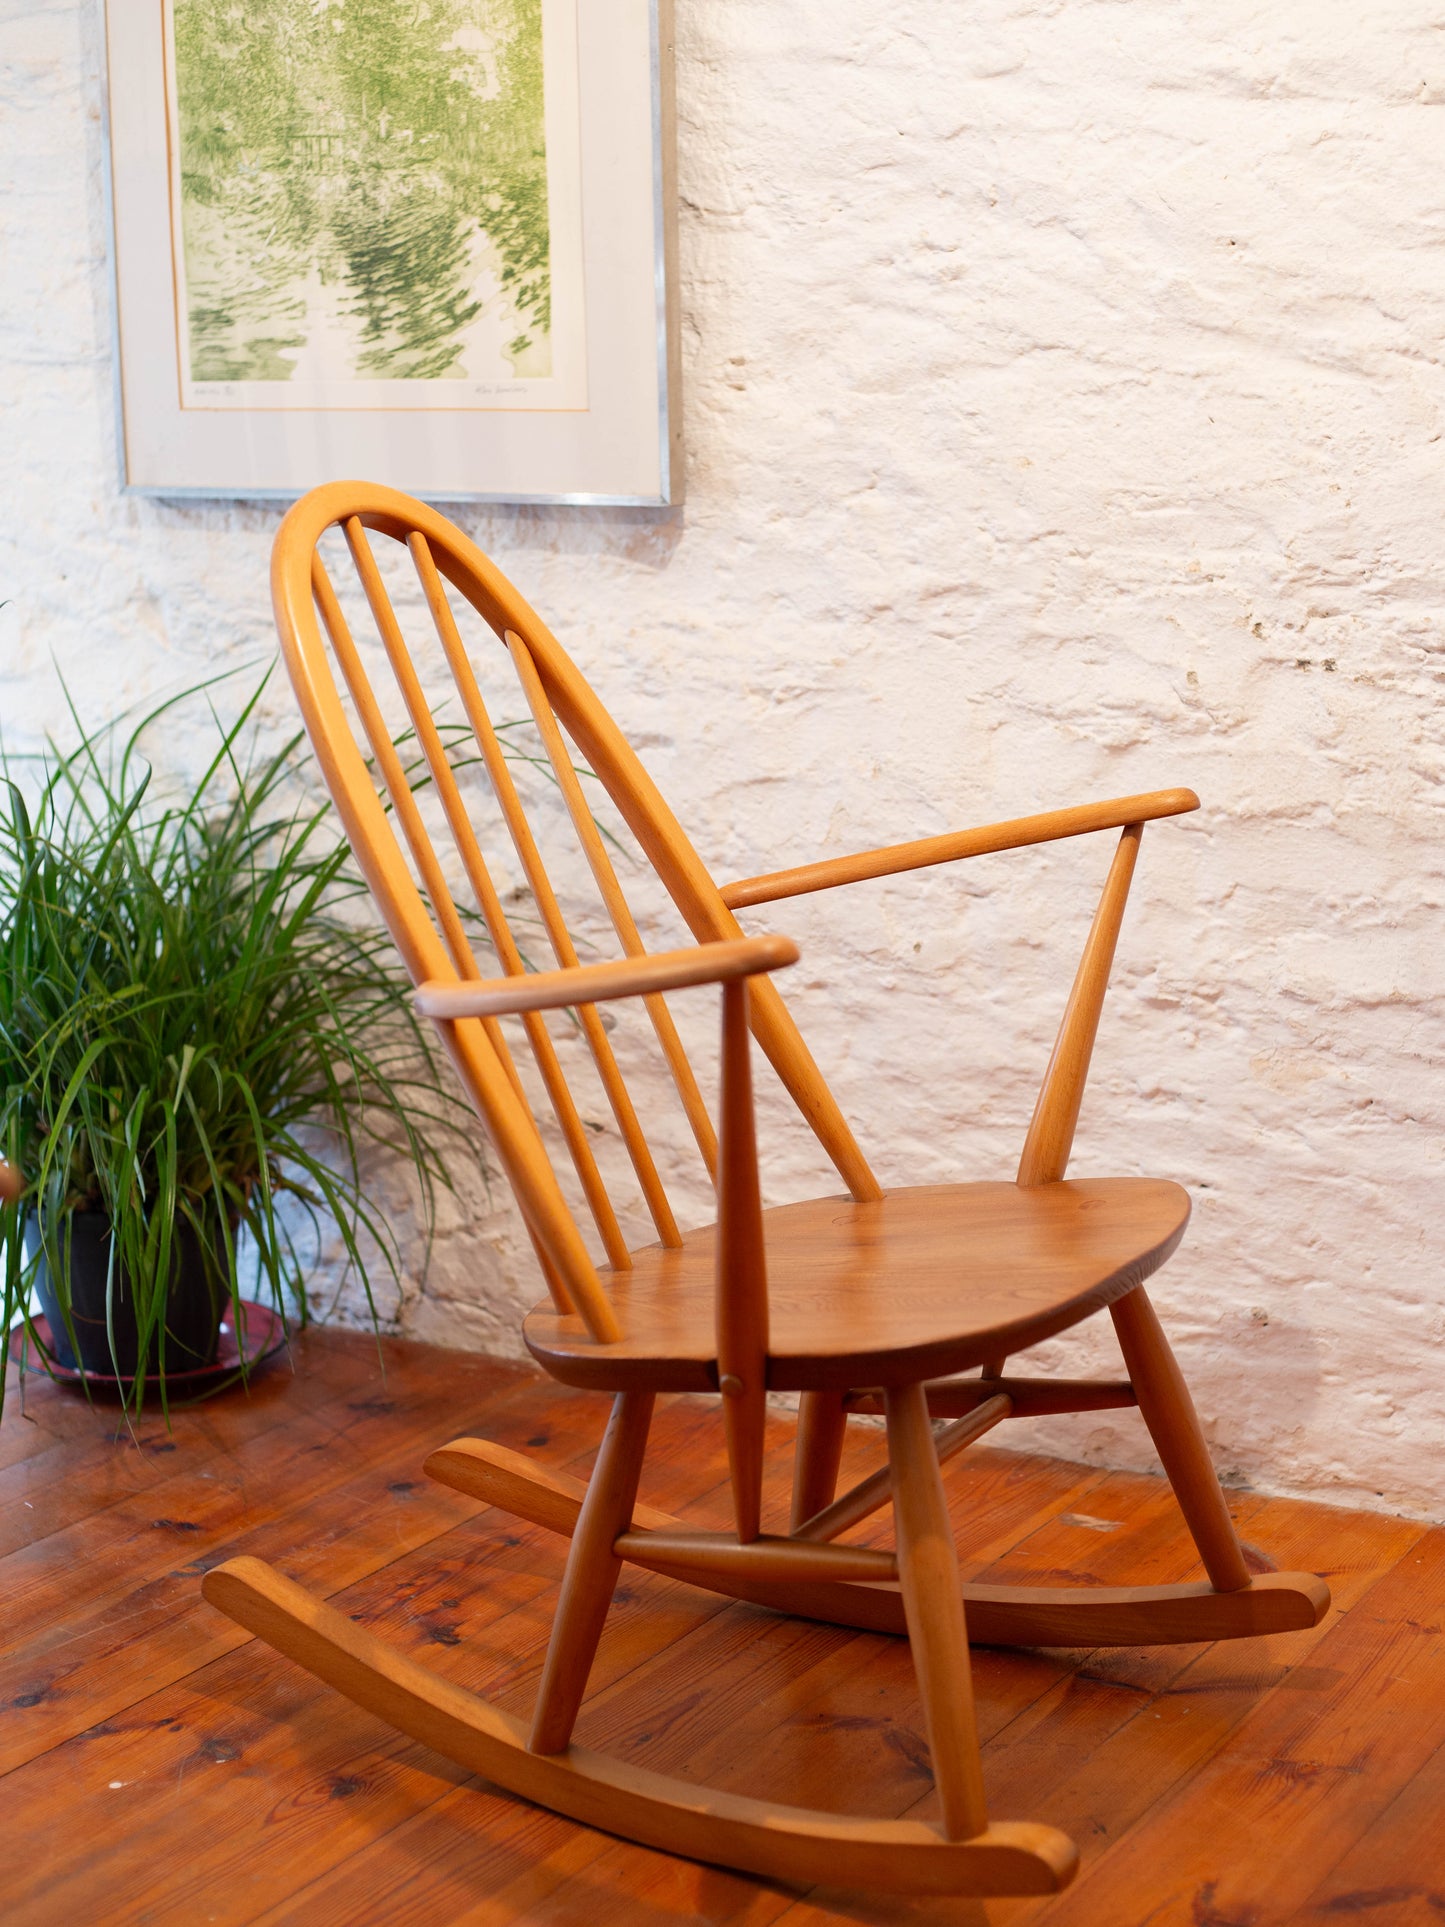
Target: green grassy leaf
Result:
[[195, 1028]]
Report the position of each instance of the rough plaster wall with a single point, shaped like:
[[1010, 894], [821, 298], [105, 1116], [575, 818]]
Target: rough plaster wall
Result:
[[1064, 400]]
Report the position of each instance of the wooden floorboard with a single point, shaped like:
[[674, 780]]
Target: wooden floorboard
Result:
[[159, 1767]]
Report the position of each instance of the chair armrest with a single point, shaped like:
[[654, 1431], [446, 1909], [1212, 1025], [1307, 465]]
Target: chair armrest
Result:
[[1014, 835], [704, 963]]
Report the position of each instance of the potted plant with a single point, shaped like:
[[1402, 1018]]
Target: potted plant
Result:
[[198, 1021]]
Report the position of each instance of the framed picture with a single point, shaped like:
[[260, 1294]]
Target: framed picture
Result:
[[424, 242]]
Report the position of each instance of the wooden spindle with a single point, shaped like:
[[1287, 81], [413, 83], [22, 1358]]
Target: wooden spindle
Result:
[[817, 1453], [544, 1052], [592, 1571], [623, 922], [540, 884], [564, 1295], [933, 1605], [1051, 1133], [1173, 1424], [741, 1275]]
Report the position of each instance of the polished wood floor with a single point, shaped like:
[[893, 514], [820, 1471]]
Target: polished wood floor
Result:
[[159, 1767]]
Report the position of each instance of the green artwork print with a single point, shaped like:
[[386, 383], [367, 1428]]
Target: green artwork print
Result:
[[363, 191]]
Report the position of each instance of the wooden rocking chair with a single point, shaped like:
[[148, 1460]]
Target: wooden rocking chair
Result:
[[874, 1302]]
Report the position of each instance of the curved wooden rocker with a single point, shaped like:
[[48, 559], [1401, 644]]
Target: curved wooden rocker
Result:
[[870, 1598], [870, 1302]]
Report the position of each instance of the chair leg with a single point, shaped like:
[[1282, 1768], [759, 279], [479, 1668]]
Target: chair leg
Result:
[[592, 1570], [933, 1606], [1173, 1424], [822, 1423]]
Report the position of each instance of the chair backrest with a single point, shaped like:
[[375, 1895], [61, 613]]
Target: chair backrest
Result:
[[394, 740]]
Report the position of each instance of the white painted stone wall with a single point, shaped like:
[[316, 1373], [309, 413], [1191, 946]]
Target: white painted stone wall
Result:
[[1064, 403]]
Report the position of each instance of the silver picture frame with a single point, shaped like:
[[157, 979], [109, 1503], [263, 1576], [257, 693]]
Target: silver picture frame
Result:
[[621, 446]]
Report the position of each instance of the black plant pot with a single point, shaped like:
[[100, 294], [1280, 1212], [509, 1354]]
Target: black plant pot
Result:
[[194, 1306]]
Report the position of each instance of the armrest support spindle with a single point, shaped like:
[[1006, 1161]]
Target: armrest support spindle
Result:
[[741, 1274], [1051, 1133]]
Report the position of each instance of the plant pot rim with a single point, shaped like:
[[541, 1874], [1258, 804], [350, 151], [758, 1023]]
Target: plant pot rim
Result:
[[263, 1333]]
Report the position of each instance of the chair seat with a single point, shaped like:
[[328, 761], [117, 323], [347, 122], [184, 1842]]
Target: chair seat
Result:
[[924, 1282]]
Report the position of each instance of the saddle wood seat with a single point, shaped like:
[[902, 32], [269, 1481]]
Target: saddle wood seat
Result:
[[922, 1282]]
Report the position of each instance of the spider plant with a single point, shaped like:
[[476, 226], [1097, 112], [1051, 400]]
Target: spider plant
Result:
[[198, 1021]]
